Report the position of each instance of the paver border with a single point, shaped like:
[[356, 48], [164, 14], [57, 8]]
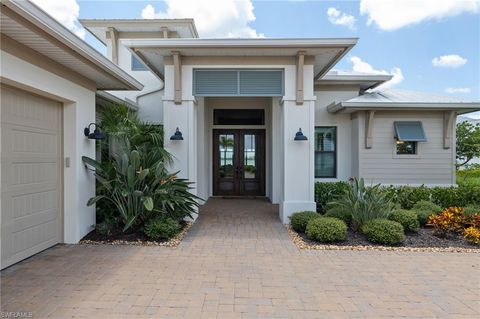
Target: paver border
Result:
[[303, 245]]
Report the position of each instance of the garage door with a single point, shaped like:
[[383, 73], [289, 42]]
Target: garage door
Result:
[[31, 174]]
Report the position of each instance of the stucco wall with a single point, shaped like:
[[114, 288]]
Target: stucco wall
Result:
[[78, 112], [433, 165]]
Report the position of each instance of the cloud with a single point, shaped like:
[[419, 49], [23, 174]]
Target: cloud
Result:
[[363, 67], [457, 90], [65, 11], [341, 18], [449, 61], [213, 18], [394, 14]]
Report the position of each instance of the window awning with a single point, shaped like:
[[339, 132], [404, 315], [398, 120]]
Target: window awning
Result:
[[409, 131]]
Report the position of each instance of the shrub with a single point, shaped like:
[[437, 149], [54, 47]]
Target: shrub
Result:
[[326, 192], [472, 235], [383, 231], [423, 216], [427, 205], [326, 229], [363, 203], [471, 209], [164, 228], [300, 220], [107, 227], [342, 214], [451, 220], [407, 218]]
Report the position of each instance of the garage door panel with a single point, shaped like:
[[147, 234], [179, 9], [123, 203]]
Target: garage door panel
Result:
[[31, 161]]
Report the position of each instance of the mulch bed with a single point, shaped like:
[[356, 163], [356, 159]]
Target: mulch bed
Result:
[[136, 238], [423, 240]]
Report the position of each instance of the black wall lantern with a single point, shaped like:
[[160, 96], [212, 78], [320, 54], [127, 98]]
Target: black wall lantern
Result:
[[299, 136], [177, 136], [96, 135]]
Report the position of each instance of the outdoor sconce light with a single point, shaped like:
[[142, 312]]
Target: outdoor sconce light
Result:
[[299, 136], [177, 136], [96, 135]]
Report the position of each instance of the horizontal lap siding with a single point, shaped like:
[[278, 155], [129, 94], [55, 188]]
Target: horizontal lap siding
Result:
[[434, 164]]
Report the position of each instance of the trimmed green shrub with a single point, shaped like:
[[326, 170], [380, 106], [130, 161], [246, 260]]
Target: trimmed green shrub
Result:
[[427, 205], [471, 209], [407, 218], [326, 229], [384, 231], [339, 213], [326, 192], [161, 228], [423, 216], [300, 220]]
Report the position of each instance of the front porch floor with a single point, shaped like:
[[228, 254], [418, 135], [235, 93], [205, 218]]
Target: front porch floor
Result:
[[238, 261]]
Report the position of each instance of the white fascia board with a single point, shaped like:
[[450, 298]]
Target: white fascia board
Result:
[[355, 106], [41, 19]]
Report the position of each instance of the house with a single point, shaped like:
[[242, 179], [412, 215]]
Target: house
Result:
[[49, 79], [269, 117]]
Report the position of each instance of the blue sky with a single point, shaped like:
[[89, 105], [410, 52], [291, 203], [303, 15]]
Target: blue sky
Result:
[[402, 37]]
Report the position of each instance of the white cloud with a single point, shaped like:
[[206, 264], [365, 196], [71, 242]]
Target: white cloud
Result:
[[363, 67], [394, 14], [213, 18], [449, 61], [341, 18], [457, 90], [65, 11]]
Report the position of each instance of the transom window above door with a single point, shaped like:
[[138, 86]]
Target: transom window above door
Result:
[[230, 82], [238, 117]]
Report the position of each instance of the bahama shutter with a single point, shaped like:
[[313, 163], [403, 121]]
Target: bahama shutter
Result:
[[409, 131]]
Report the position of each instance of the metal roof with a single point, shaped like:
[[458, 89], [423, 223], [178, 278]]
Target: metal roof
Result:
[[364, 80]]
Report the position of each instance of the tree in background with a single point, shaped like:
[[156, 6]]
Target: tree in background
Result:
[[468, 142]]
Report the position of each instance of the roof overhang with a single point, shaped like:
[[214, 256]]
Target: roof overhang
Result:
[[182, 28], [351, 107], [103, 98], [326, 52], [364, 81], [27, 24]]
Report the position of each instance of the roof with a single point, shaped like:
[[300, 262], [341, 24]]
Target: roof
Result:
[[326, 51], [364, 80], [394, 99], [104, 98], [180, 28], [30, 26]]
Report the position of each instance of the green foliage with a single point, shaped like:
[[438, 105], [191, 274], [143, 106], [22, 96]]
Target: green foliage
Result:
[[384, 231], [161, 228], [326, 229], [300, 220], [424, 216], [407, 218], [468, 142], [427, 205], [363, 203], [471, 209], [326, 192], [106, 227], [468, 177], [340, 213]]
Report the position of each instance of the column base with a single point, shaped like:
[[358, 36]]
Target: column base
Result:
[[288, 208]]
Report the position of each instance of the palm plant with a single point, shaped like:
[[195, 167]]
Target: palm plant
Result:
[[363, 203]]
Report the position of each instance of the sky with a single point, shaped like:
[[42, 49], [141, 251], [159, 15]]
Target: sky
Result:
[[428, 45]]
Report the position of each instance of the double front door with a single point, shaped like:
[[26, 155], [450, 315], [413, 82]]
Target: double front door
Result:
[[239, 162]]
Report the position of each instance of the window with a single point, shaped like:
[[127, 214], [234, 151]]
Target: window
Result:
[[407, 136], [326, 152], [238, 117], [137, 65], [406, 148]]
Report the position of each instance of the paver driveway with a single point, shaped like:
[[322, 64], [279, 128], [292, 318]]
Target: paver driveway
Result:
[[238, 262]]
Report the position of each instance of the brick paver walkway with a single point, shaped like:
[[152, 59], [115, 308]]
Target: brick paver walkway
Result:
[[238, 262]]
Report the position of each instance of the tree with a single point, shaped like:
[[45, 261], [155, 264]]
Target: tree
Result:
[[468, 142]]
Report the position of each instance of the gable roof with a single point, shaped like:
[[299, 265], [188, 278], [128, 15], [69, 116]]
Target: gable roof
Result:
[[33, 28], [394, 99]]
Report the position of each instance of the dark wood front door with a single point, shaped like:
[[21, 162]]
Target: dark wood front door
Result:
[[239, 162]]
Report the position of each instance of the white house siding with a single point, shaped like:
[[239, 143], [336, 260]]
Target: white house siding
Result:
[[434, 165], [78, 111], [325, 96]]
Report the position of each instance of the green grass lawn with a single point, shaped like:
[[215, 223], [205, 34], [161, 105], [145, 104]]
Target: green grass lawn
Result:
[[468, 177]]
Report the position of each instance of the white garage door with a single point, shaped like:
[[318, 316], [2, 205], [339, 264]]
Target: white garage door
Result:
[[31, 174]]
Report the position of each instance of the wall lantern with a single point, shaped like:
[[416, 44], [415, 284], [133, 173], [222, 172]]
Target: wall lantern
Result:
[[96, 135], [299, 136], [177, 136]]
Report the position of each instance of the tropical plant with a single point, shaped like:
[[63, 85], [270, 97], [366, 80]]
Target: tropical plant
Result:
[[363, 203], [451, 220], [472, 235], [139, 187]]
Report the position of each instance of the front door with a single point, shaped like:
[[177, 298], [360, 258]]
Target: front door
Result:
[[239, 162]]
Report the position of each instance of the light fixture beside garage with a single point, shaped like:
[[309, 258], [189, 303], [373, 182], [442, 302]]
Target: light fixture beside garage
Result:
[[96, 135], [299, 136], [177, 136]]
